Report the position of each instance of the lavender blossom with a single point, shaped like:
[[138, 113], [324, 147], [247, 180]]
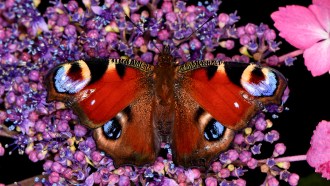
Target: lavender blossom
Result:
[[32, 42]]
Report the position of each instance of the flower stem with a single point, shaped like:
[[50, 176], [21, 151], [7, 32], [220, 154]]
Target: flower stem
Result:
[[28, 181], [5, 132], [291, 54], [286, 159]]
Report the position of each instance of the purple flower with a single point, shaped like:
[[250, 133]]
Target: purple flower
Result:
[[271, 181], [96, 156], [270, 162], [239, 139], [79, 156], [80, 130], [192, 174], [252, 163], [181, 178], [245, 156], [54, 177], [256, 149], [272, 136], [56, 167], [168, 181], [240, 182], [124, 181], [224, 173], [211, 181], [34, 42], [223, 19], [216, 166], [147, 57], [89, 180]]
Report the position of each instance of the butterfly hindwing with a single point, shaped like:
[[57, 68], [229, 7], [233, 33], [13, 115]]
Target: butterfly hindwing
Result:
[[137, 143], [197, 136]]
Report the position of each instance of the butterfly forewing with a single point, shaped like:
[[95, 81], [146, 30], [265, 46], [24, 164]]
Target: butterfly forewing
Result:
[[233, 92], [114, 96]]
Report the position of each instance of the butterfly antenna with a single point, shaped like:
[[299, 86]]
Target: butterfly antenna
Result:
[[130, 20], [184, 40]]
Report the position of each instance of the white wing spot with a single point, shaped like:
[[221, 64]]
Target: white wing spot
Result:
[[93, 102]]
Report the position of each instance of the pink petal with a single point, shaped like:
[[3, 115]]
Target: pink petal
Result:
[[323, 3], [299, 26], [319, 152], [324, 169], [317, 58], [323, 16]]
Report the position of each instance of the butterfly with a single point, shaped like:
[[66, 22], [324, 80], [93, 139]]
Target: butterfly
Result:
[[133, 107]]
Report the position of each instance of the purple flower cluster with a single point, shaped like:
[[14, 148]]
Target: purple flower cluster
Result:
[[32, 42]]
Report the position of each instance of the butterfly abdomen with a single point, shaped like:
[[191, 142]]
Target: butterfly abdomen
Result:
[[164, 109]]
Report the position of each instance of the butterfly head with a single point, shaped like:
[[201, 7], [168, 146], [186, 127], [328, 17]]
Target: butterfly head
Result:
[[165, 57]]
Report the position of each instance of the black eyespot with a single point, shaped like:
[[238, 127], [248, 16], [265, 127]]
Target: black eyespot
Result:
[[213, 130], [112, 129]]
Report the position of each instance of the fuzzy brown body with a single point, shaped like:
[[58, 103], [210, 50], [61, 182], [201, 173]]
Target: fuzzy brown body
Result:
[[133, 106], [164, 105]]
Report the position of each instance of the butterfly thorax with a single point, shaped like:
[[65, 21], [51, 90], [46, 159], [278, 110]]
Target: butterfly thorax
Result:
[[165, 58], [164, 78]]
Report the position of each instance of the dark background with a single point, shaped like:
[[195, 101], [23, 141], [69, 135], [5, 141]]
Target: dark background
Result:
[[308, 97]]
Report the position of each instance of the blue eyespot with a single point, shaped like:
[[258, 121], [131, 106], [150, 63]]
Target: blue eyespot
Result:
[[264, 87], [213, 130], [112, 129]]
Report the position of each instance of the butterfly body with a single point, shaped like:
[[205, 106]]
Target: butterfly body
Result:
[[164, 96], [195, 107]]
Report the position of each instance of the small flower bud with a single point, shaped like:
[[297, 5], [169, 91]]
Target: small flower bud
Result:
[[252, 163], [293, 179], [211, 181], [279, 149], [245, 156], [80, 130], [54, 177], [272, 181], [225, 173], [216, 166]]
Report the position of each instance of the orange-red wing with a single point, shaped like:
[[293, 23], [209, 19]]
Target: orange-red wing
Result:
[[212, 101], [96, 90], [233, 92], [190, 147], [113, 96], [137, 143]]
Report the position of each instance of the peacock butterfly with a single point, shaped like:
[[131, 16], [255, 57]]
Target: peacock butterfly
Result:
[[133, 106]]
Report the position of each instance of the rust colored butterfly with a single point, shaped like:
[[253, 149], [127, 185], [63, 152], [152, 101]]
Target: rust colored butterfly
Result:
[[195, 107]]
